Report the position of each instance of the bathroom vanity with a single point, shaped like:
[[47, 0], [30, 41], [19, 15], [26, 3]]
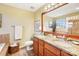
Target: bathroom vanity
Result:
[[59, 23], [50, 47]]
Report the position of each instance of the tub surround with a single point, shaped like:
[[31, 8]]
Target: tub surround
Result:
[[61, 44], [4, 41], [2, 46], [4, 50]]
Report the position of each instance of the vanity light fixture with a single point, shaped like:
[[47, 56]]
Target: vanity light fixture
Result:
[[45, 8], [52, 6], [49, 6]]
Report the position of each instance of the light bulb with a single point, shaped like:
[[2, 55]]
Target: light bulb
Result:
[[49, 6], [53, 4], [45, 8]]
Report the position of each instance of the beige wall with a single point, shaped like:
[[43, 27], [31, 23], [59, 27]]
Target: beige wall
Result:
[[14, 16], [38, 13]]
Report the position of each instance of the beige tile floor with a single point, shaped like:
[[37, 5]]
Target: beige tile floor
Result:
[[22, 52]]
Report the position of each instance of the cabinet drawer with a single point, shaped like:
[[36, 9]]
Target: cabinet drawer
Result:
[[48, 53], [41, 42], [53, 49], [65, 54]]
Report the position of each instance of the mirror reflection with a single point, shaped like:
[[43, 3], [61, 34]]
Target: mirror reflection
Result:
[[64, 20]]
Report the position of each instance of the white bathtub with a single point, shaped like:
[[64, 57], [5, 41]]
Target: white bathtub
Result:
[[2, 46]]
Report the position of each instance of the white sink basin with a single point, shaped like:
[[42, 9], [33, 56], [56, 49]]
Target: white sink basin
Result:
[[1, 46], [63, 44]]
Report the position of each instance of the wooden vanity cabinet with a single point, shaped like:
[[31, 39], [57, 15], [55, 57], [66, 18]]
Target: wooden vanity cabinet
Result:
[[48, 53], [36, 46], [51, 50], [63, 53], [41, 47]]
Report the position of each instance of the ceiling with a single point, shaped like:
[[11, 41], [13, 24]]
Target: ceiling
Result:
[[26, 6], [69, 8]]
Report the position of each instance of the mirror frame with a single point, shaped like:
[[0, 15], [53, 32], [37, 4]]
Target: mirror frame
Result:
[[67, 35]]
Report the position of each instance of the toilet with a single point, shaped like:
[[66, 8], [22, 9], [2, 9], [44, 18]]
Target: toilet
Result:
[[29, 45]]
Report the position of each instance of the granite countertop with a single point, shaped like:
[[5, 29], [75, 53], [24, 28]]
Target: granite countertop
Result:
[[61, 44]]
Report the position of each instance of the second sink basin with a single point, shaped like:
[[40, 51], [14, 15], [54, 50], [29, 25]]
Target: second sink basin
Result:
[[63, 44]]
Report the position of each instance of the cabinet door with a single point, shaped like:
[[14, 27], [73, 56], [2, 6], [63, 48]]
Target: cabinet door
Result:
[[52, 49], [41, 42], [48, 53], [41, 50], [65, 54], [41, 47], [35, 46]]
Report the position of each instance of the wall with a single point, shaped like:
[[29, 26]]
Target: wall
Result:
[[38, 15], [40, 11], [14, 16]]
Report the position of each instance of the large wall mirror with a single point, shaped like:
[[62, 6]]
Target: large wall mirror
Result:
[[64, 20]]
